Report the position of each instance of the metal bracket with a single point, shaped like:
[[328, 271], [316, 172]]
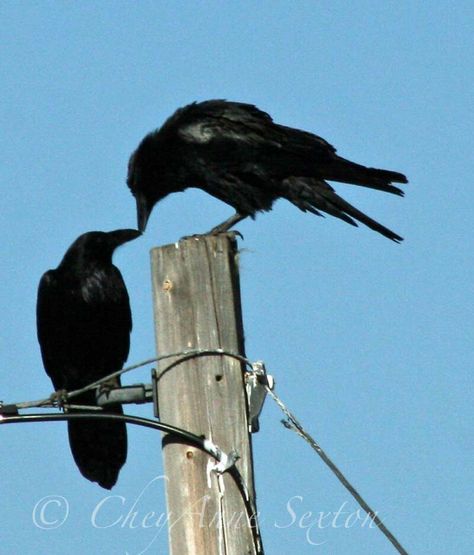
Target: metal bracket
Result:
[[256, 383], [154, 385]]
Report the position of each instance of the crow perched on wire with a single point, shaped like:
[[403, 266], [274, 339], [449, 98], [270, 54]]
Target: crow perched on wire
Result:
[[236, 153], [84, 323]]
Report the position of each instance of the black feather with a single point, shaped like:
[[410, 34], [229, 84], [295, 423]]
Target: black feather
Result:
[[84, 323], [236, 153]]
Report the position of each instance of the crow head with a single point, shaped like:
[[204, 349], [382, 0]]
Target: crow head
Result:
[[96, 247]]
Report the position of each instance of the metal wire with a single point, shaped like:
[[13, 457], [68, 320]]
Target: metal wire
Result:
[[53, 401], [191, 439], [148, 423], [293, 424]]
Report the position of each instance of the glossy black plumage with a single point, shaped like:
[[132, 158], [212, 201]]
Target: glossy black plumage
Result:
[[236, 153], [84, 323]]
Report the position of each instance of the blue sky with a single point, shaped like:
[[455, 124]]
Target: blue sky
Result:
[[370, 342]]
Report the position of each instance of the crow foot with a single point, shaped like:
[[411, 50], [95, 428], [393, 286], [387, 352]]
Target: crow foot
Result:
[[212, 232]]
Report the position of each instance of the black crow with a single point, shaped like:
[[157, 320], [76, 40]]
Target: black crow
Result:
[[236, 153], [84, 323]]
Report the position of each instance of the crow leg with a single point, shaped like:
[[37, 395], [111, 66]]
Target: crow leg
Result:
[[227, 224]]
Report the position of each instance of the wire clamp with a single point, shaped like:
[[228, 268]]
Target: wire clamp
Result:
[[225, 461], [59, 399]]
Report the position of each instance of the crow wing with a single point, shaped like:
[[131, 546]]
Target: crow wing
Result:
[[241, 139], [83, 327], [218, 120]]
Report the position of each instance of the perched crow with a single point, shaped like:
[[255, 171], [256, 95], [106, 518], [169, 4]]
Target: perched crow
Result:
[[236, 153], [84, 323]]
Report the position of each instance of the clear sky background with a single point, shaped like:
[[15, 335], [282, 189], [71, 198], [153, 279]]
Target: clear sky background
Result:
[[370, 342]]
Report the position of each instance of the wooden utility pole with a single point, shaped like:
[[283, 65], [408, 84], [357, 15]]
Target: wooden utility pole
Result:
[[197, 306]]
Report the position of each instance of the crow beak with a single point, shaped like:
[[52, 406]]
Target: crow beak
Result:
[[143, 211], [121, 236]]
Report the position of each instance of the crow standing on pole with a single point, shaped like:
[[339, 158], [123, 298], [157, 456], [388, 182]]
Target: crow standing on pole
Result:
[[236, 153], [84, 323]]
